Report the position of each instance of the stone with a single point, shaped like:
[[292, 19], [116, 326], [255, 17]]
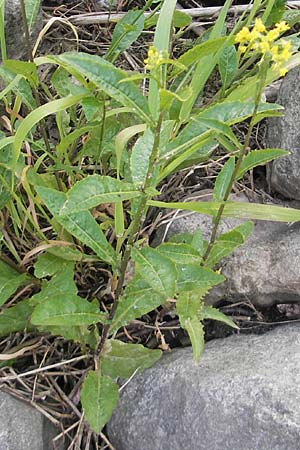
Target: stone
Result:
[[264, 271], [242, 395], [284, 132], [23, 427], [14, 32]]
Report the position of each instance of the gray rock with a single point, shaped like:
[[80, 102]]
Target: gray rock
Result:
[[284, 132], [265, 270], [243, 395], [14, 32], [23, 427]]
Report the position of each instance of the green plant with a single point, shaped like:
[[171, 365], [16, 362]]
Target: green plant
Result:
[[134, 141]]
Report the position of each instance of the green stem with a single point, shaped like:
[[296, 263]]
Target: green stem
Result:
[[217, 219], [134, 229]]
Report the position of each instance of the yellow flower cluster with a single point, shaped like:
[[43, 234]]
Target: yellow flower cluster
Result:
[[262, 40], [154, 59]]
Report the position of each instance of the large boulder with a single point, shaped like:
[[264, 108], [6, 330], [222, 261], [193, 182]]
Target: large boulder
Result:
[[23, 427], [242, 395], [265, 270], [284, 132]]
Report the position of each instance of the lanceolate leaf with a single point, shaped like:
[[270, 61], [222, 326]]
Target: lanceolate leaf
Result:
[[82, 225], [227, 242], [122, 360], [258, 158], [126, 32], [223, 179], [192, 277], [16, 318], [228, 64], [157, 270], [32, 8], [189, 303], [180, 253], [10, 280], [67, 311], [94, 190], [196, 335], [208, 312], [236, 209], [99, 397], [107, 77], [139, 299], [139, 161]]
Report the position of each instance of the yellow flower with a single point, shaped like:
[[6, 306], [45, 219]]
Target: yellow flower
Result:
[[243, 36], [272, 35], [282, 72], [154, 59], [264, 46], [282, 26], [259, 26], [286, 50]]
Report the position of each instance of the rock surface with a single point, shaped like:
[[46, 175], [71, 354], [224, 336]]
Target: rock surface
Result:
[[14, 34], [284, 132], [23, 427], [242, 395], [265, 270]]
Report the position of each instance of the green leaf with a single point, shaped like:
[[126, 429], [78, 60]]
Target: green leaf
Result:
[[16, 318], [180, 20], [180, 253], [99, 397], [157, 270], [197, 52], [82, 225], [122, 360], [36, 116], [66, 311], [47, 265], [127, 30], [196, 335], [275, 12], [192, 276], [189, 303], [94, 190], [10, 280], [27, 69], [223, 179], [107, 77], [139, 299], [208, 312], [236, 209], [228, 65], [139, 161], [227, 242], [258, 158], [122, 139], [32, 8]]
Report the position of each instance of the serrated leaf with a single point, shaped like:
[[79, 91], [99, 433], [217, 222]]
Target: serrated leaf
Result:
[[180, 253], [139, 299], [259, 157], [196, 335], [122, 359], [208, 312], [227, 242], [127, 30], [16, 318], [191, 276], [66, 311], [107, 77], [10, 280], [94, 190], [228, 65], [223, 179], [236, 209], [139, 160], [82, 225], [157, 270], [189, 303], [99, 397]]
